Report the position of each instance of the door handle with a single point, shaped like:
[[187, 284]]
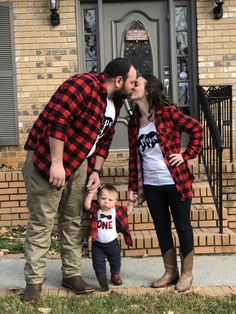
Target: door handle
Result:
[[166, 87]]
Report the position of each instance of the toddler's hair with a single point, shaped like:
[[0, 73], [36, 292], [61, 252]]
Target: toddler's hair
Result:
[[109, 187]]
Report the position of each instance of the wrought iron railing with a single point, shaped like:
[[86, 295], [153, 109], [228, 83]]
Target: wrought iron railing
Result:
[[219, 99], [212, 152]]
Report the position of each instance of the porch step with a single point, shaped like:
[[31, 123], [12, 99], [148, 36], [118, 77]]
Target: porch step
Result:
[[118, 167], [202, 216], [118, 172], [201, 191], [206, 241]]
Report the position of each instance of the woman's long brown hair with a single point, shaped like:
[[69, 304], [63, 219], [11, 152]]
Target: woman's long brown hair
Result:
[[155, 97]]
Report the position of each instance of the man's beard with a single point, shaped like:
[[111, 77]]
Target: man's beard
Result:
[[121, 93]]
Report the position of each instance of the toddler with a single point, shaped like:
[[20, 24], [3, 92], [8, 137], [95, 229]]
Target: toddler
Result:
[[106, 220]]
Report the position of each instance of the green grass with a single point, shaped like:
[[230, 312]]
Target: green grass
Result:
[[12, 239], [119, 304]]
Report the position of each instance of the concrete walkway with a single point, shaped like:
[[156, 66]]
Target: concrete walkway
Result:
[[213, 275]]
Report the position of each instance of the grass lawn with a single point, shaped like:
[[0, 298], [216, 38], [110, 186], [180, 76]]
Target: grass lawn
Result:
[[118, 304], [12, 241]]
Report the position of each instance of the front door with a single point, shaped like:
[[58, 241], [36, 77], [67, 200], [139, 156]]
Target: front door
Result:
[[140, 31]]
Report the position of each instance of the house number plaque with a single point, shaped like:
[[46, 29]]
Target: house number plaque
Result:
[[137, 34]]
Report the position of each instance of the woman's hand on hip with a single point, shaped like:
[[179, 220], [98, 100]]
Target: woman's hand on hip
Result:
[[176, 159]]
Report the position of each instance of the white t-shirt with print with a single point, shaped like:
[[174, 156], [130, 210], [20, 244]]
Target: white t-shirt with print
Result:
[[155, 170], [107, 122], [106, 227]]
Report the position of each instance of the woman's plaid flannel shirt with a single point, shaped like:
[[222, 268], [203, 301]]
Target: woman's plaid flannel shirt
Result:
[[170, 123]]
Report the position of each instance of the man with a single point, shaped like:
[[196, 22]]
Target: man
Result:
[[70, 138]]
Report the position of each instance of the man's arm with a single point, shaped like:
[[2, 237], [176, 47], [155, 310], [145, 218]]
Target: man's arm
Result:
[[57, 171]]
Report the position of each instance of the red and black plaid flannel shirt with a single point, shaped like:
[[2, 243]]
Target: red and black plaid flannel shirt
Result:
[[122, 224], [170, 123], [73, 115]]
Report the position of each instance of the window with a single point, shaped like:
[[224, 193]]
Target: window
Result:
[[182, 46], [90, 40], [8, 108]]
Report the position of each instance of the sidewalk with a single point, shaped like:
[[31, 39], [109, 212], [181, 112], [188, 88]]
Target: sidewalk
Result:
[[213, 275]]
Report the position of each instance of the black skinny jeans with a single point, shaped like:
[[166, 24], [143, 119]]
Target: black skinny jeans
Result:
[[159, 200], [101, 251]]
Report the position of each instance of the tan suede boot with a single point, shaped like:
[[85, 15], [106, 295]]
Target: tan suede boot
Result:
[[186, 278], [171, 274]]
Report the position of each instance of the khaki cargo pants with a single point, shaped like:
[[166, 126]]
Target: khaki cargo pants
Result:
[[45, 203]]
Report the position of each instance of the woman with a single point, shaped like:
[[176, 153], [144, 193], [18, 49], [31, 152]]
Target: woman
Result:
[[160, 174]]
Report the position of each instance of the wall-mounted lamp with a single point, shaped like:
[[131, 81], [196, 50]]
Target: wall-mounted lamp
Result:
[[55, 17], [218, 10]]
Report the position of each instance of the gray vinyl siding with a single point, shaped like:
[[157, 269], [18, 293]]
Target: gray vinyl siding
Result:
[[8, 106]]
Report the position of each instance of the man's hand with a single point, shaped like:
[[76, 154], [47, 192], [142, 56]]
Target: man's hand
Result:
[[93, 181], [57, 175]]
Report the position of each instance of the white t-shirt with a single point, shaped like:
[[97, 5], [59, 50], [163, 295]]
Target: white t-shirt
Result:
[[107, 122], [107, 227], [155, 170]]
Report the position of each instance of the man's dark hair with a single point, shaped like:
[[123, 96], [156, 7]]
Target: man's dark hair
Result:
[[117, 67]]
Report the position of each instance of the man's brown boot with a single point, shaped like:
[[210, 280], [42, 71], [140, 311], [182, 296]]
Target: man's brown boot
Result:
[[116, 280], [186, 278], [32, 292], [77, 285], [171, 274]]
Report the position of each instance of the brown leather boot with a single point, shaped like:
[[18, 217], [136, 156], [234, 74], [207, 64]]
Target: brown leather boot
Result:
[[32, 292], [77, 285], [116, 280], [186, 278], [171, 274]]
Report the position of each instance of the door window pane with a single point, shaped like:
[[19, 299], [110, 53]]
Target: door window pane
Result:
[[182, 55], [90, 40], [138, 47]]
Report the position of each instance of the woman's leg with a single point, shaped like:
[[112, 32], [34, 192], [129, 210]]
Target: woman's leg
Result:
[[181, 216], [157, 200], [158, 206]]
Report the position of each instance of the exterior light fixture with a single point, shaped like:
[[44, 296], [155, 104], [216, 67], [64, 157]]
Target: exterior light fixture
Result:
[[218, 10], [55, 17]]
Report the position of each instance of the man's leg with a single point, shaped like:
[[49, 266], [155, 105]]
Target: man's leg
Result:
[[42, 201], [71, 211]]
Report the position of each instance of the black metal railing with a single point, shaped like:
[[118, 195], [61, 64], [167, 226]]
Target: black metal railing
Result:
[[211, 153], [219, 99]]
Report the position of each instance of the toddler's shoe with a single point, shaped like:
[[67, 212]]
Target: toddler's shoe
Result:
[[116, 280], [102, 279]]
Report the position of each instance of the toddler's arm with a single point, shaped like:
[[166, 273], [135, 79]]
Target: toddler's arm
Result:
[[88, 199]]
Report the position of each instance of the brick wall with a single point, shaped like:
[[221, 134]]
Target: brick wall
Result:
[[45, 57], [217, 47]]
